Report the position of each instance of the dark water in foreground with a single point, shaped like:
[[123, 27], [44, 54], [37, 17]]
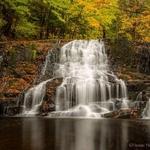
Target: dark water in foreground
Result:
[[73, 134]]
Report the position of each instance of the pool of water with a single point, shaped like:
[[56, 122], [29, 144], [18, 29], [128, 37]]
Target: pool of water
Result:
[[73, 134]]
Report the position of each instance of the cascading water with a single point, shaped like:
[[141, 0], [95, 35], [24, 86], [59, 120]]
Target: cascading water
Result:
[[88, 89], [34, 98], [146, 112]]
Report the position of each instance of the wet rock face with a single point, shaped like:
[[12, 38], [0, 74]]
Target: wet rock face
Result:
[[2, 108], [143, 58], [50, 64], [124, 114], [1, 60], [49, 99], [136, 86], [9, 108]]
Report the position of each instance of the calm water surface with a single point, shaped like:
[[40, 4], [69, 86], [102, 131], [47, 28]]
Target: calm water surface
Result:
[[73, 134]]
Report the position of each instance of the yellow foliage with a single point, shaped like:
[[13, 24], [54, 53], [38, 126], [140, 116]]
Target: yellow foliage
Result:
[[146, 39], [93, 22], [89, 7], [135, 20]]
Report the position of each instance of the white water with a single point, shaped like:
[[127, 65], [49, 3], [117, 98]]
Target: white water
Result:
[[88, 89], [146, 112], [87, 80], [34, 97]]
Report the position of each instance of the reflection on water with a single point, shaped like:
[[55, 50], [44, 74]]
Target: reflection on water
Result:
[[92, 135], [73, 134], [124, 134], [35, 131]]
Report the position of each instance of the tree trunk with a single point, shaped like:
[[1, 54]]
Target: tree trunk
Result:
[[104, 33], [8, 17]]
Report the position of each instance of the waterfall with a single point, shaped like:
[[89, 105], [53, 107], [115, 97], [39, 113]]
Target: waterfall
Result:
[[89, 88], [87, 79], [146, 112], [34, 97]]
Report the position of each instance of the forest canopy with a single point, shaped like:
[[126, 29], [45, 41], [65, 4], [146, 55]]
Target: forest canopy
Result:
[[68, 19]]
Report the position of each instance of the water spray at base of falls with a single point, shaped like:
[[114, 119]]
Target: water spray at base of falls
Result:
[[89, 88]]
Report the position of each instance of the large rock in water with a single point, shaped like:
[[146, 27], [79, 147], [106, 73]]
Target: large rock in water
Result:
[[124, 114], [48, 104]]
